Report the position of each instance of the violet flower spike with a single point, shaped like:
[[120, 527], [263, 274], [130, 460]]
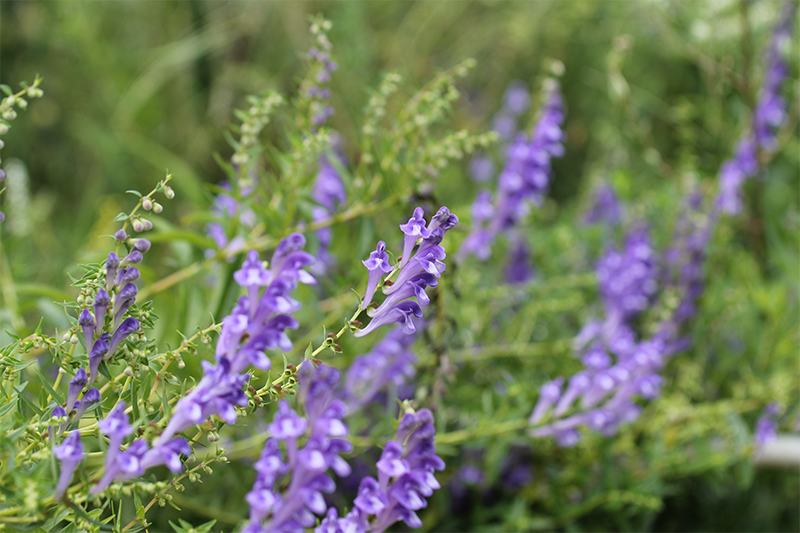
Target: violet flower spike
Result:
[[70, 453], [377, 265], [413, 287], [413, 229], [101, 303], [86, 322], [76, 385]]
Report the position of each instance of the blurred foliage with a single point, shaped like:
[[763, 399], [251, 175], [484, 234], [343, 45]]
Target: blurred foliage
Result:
[[657, 93]]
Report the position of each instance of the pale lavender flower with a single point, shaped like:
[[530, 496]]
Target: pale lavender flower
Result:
[[70, 453], [414, 229], [377, 265], [116, 427]]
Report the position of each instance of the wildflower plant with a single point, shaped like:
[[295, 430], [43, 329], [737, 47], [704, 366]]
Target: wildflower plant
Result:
[[342, 337]]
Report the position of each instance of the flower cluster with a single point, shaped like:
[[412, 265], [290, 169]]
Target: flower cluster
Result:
[[417, 270], [617, 368], [405, 478], [257, 323], [139, 455], [524, 179], [768, 115], [389, 363], [294, 509], [628, 278]]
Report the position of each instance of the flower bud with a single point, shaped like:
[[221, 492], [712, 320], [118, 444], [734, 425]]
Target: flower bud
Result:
[[138, 226], [168, 192], [147, 204], [3, 129], [157, 207], [147, 224]]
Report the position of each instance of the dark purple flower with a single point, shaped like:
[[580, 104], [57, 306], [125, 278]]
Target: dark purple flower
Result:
[[86, 322], [76, 385], [101, 303], [401, 313], [128, 326], [90, 399], [98, 353], [112, 263]]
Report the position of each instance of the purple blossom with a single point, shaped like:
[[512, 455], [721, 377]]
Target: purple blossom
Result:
[[101, 303], [76, 386], [116, 427], [264, 321], [112, 263], [401, 314], [414, 229], [377, 265], [734, 173], [70, 453], [405, 479], [303, 498], [128, 326], [90, 399], [86, 322], [98, 353]]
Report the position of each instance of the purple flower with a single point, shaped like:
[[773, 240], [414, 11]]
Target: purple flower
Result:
[[414, 229], [252, 276], [70, 453], [377, 265], [128, 326], [548, 396], [112, 263], [86, 322], [90, 399], [295, 508], [76, 385], [134, 257], [167, 454], [125, 298], [734, 173], [98, 353], [116, 427], [101, 303], [401, 313]]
